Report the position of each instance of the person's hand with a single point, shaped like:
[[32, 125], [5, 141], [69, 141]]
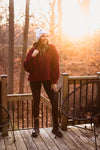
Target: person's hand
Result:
[[54, 87], [35, 53]]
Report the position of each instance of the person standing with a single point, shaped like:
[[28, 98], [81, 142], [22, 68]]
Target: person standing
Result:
[[42, 64]]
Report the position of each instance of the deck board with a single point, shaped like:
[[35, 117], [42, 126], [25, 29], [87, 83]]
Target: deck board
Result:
[[9, 144], [77, 140], [89, 144], [28, 140], [20, 143], [70, 142], [74, 138], [48, 141], [58, 141], [2, 145], [39, 142]]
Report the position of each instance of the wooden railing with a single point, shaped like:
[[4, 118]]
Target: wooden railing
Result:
[[21, 109], [69, 84], [20, 105]]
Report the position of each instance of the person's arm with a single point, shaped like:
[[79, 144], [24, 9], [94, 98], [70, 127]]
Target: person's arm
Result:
[[30, 61], [54, 69]]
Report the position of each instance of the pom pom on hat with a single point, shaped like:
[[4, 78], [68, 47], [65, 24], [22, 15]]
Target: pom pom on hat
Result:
[[39, 31]]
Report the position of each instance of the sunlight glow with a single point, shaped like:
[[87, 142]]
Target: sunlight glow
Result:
[[19, 4], [94, 16], [74, 22]]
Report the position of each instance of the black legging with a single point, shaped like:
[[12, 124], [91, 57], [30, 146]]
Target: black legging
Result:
[[53, 96]]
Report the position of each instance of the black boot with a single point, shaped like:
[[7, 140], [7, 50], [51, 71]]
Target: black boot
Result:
[[56, 129], [57, 132], [35, 131]]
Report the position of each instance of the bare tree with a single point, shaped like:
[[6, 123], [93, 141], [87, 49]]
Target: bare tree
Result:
[[3, 35], [25, 41], [11, 46], [52, 18]]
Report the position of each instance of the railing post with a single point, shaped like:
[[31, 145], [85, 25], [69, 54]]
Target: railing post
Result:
[[98, 97], [0, 103], [65, 94], [4, 98], [4, 90], [98, 90], [0, 90], [98, 74]]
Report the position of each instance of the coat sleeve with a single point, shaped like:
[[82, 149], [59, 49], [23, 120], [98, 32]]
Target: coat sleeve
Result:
[[55, 65], [29, 62]]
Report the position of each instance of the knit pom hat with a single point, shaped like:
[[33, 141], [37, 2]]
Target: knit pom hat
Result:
[[39, 31]]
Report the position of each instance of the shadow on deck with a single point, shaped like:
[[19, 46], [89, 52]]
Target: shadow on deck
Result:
[[73, 139]]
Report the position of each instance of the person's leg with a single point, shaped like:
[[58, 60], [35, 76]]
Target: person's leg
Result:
[[53, 96], [36, 89]]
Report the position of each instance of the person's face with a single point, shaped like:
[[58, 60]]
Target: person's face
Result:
[[44, 38]]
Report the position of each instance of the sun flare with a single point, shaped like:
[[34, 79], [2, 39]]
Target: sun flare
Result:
[[74, 22], [19, 4]]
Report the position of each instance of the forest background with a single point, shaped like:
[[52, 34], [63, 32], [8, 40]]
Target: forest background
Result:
[[73, 26]]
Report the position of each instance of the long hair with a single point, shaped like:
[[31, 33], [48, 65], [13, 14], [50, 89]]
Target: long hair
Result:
[[43, 47]]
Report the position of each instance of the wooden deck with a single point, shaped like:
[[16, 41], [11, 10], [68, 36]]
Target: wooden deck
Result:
[[73, 139]]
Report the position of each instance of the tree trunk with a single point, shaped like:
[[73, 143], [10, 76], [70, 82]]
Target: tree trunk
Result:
[[11, 47], [25, 40], [52, 22]]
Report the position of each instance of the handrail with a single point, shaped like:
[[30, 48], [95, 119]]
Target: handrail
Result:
[[16, 97], [83, 77]]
